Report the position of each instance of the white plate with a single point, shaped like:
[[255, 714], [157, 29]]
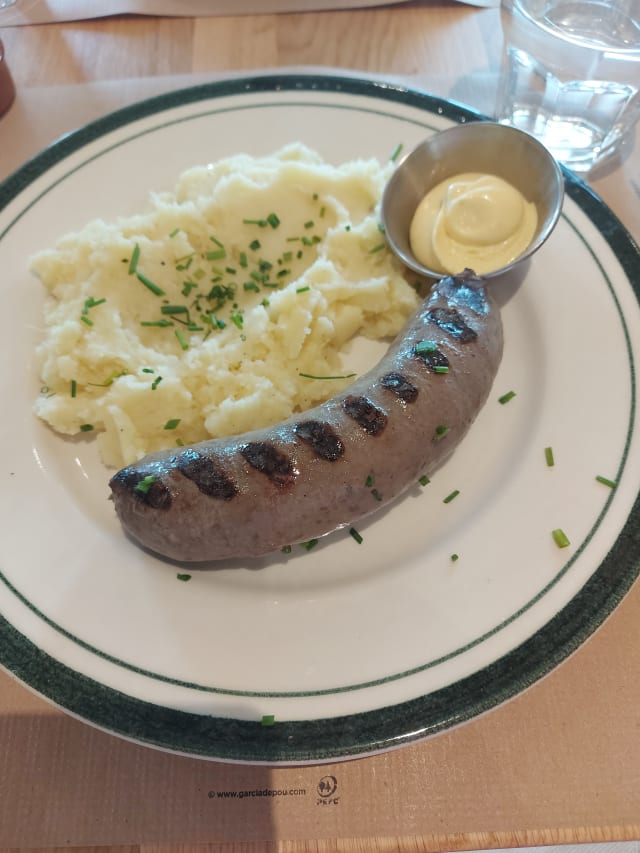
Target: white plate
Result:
[[353, 648]]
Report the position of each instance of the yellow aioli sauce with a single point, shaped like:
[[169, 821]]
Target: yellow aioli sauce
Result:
[[472, 221]]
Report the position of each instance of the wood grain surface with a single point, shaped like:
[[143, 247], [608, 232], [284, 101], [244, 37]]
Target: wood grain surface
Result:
[[401, 39]]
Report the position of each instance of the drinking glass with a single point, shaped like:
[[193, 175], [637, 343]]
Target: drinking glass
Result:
[[571, 74]]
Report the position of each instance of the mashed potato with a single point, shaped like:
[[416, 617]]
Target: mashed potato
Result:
[[212, 313]]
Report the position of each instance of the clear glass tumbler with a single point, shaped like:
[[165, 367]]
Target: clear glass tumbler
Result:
[[571, 74]]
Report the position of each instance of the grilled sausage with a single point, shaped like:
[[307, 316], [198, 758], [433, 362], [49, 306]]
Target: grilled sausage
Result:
[[252, 494]]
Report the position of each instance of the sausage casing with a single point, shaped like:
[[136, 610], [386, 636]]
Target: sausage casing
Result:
[[252, 494]]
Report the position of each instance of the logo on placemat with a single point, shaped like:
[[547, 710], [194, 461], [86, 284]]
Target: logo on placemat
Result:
[[327, 788]]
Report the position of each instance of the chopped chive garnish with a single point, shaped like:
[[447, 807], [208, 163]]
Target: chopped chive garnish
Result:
[[606, 481], [156, 382], [451, 496], [148, 370], [548, 455], [74, 387], [91, 303], [309, 223], [172, 423], [424, 347], [237, 319], [184, 343], [135, 257], [440, 432], [355, 535], [86, 427], [454, 557], [255, 245], [109, 380], [183, 577], [273, 220], [560, 538], [174, 232], [86, 320], [370, 480], [309, 545], [158, 291], [145, 484], [396, 152], [162, 324], [303, 289], [312, 376], [251, 285], [243, 260], [261, 223], [506, 397], [174, 309], [441, 368], [216, 241], [216, 255], [268, 720], [377, 248], [424, 480]]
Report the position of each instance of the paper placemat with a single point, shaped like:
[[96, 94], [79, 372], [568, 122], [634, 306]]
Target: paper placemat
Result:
[[24, 12]]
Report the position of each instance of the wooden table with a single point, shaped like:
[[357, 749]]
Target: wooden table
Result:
[[404, 39], [558, 764]]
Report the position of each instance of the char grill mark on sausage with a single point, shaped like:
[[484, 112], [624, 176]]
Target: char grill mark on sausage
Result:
[[265, 457], [157, 495], [400, 386], [207, 474], [451, 322], [367, 415], [430, 355], [322, 438], [474, 297]]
